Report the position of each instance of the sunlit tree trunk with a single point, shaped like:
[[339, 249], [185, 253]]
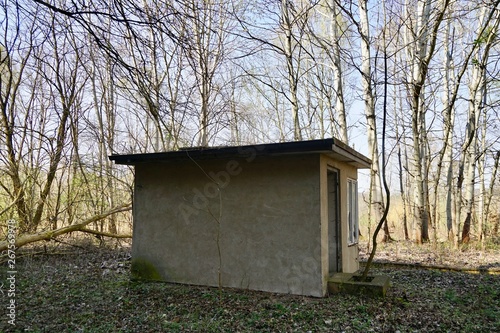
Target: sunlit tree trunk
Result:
[[104, 88], [446, 153], [400, 141], [377, 203], [338, 72], [421, 39], [291, 64], [417, 80], [488, 197], [481, 162], [478, 93]]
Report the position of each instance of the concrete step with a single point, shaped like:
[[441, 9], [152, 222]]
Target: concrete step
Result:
[[350, 283]]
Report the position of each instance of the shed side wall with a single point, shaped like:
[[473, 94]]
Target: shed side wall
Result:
[[350, 254]]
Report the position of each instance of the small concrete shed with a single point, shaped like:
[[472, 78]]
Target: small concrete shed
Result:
[[278, 217]]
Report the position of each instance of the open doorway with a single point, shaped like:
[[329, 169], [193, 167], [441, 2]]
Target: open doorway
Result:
[[334, 239]]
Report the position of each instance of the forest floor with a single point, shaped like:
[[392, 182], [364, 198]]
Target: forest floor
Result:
[[438, 256], [88, 289]]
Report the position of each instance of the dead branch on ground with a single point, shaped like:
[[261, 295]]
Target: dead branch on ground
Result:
[[51, 234]]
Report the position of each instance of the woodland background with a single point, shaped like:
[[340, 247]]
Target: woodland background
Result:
[[84, 79]]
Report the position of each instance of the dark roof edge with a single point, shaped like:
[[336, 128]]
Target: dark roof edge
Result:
[[312, 146], [360, 160]]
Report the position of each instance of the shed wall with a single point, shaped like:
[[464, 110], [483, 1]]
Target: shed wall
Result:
[[265, 222]]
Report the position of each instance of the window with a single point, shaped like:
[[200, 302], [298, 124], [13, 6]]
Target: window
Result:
[[352, 212]]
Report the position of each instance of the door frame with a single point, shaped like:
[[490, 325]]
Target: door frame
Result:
[[337, 242]]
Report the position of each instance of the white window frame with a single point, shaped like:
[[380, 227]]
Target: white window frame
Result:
[[352, 212]]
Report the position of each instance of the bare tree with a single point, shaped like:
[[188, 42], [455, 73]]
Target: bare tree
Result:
[[478, 94], [80, 80], [43, 85], [329, 64], [421, 41], [13, 64], [206, 39], [283, 40], [376, 198]]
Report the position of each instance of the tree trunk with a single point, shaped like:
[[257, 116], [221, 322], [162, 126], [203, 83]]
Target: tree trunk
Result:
[[402, 193], [421, 41], [478, 94], [291, 70], [489, 195], [377, 202], [338, 73]]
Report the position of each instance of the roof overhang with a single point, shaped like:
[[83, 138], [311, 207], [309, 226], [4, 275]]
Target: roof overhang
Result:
[[331, 147]]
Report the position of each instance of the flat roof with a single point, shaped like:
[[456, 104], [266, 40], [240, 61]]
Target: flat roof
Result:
[[331, 147]]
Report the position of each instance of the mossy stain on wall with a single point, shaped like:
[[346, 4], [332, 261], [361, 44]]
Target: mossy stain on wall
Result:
[[142, 269]]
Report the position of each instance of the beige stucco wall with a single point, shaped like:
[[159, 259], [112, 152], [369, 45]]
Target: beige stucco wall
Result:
[[267, 222]]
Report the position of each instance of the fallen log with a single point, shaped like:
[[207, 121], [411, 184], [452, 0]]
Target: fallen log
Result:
[[51, 234], [494, 270]]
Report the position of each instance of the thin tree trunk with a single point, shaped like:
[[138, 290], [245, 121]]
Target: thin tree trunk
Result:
[[338, 73], [402, 192], [446, 153], [383, 218], [488, 198], [291, 70], [377, 203], [482, 180]]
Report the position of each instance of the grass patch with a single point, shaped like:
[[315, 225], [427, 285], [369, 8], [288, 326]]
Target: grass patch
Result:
[[93, 292]]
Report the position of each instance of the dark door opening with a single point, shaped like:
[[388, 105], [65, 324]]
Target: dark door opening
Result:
[[334, 239]]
